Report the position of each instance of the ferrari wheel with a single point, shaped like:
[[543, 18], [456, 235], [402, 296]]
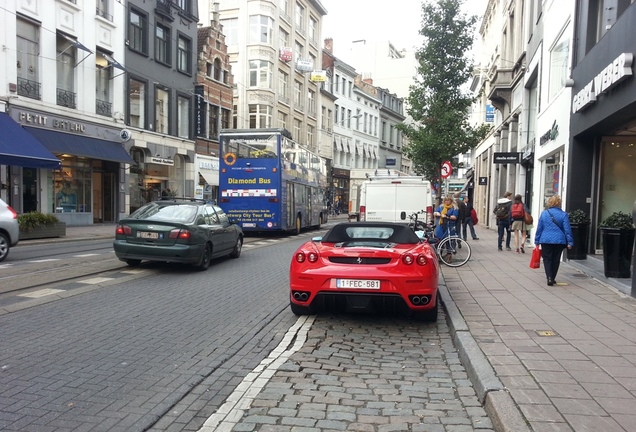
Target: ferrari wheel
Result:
[[298, 310]]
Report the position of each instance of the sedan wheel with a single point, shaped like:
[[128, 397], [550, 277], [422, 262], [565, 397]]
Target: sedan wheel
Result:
[[237, 248], [4, 247], [133, 262], [205, 259]]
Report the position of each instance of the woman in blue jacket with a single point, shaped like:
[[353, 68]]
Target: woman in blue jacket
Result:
[[553, 235]]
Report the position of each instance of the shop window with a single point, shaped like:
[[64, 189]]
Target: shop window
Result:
[[72, 187], [558, 66]]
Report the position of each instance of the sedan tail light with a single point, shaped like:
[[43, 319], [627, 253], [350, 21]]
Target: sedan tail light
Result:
[[123, 230], [181, 234]]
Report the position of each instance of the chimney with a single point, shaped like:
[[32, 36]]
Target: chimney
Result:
[[215, 12], [329, 45]]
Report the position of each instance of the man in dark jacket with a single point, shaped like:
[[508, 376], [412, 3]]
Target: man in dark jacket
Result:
[[504, 221], [461, 207]]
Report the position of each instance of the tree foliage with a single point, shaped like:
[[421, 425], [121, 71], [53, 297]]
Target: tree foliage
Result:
[[436, 102]]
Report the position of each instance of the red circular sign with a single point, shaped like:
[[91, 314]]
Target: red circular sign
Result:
[[447, 169]]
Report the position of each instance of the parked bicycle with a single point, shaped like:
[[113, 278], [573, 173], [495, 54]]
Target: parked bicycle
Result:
[[452, 250]]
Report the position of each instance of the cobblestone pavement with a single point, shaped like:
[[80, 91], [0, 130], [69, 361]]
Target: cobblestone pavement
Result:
[[365, 373]]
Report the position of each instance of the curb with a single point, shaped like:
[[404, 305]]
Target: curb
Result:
[[497, 402]]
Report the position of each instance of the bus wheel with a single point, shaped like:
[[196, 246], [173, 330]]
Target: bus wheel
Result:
[[297, 230]]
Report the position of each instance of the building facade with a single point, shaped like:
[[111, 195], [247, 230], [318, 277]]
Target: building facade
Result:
[[63, 86], [161, 73], [213, 106]]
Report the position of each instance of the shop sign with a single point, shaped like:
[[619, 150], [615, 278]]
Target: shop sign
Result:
[[318, 76], [304, 65], [339, 172], [199, 110], [161, 161], [506, 158], [609, 77], [54, 123], [483, 181], [212, 165], [550, 135], [285, 54], [391, 161], [490, 113]]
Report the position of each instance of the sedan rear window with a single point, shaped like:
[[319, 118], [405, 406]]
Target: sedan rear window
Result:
[[174, 213]]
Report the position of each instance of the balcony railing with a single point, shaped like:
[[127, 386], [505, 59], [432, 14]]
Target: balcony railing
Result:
[[103, 107], [65, 98], [102, 13], [28, 88], [163, 8]]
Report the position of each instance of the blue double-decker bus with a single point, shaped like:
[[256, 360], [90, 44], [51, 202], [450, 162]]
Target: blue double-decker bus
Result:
[[268, 182]]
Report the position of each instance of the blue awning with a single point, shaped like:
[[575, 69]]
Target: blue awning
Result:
[[77, 145], [18, 147]]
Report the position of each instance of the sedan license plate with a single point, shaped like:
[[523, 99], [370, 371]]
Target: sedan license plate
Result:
[[358, 283], [148, 235]]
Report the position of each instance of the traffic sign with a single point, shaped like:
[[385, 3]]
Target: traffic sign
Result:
[[447, 169]]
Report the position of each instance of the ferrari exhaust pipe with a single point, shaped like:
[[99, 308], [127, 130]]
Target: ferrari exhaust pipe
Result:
[[420, 300], [300, 296]]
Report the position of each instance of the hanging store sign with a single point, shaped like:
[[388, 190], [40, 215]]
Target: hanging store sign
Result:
[[490, 113], [304, 65], [199, 110], [609, 77], [507, 158], [483, 181], [318, 76], [161, 161], [285, 54]]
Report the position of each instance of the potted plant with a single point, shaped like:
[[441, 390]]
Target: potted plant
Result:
[[580, 223], [617, 232], [35, 225]]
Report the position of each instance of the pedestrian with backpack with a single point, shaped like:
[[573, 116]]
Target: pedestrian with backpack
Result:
[[502, 213], [461, 215], [470, 220], [518, 212]]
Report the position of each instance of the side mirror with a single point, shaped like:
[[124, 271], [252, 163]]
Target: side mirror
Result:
[[403, 215]]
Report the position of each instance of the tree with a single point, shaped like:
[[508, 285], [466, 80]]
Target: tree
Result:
[[437, 102]]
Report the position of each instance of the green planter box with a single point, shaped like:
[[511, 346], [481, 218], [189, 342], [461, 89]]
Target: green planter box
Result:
[[44, 231], [618, 245]]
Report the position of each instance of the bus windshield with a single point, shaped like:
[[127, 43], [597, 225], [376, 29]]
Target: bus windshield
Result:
[[256, 147]]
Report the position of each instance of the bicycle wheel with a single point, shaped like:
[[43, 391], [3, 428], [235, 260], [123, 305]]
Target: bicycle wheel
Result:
[[453, 251]]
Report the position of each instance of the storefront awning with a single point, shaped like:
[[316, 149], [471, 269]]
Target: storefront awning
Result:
[[76, 145], [18, 147], [210, 177]]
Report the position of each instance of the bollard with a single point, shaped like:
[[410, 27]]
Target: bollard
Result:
[[633, 255]]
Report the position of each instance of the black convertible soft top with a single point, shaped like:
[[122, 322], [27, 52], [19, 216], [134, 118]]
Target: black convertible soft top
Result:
[[375, 231]]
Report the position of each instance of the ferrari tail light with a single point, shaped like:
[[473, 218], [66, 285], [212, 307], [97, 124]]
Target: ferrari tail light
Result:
[[421, 259], [300, 257], [123, 230], [181, 234], [407, 259]]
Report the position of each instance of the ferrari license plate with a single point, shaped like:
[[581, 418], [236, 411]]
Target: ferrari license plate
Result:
[[147, 235], [358, 283]]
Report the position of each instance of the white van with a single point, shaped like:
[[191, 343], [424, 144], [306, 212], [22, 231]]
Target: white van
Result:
[[386, 198]]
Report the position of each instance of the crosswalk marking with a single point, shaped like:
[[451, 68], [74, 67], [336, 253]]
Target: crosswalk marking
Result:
[[41, 293]]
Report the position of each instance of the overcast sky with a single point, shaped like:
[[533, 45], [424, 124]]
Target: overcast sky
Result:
[[398, 21]]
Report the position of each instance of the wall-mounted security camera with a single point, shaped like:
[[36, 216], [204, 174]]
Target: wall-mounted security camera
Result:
[[125, 135]]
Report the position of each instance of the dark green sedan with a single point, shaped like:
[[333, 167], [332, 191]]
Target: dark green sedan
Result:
[[178, 230]]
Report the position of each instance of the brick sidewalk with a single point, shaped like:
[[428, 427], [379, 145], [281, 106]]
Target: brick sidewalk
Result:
[[565, 354]]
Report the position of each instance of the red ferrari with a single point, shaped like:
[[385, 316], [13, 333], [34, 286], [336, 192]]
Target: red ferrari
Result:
[[380, 267]]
